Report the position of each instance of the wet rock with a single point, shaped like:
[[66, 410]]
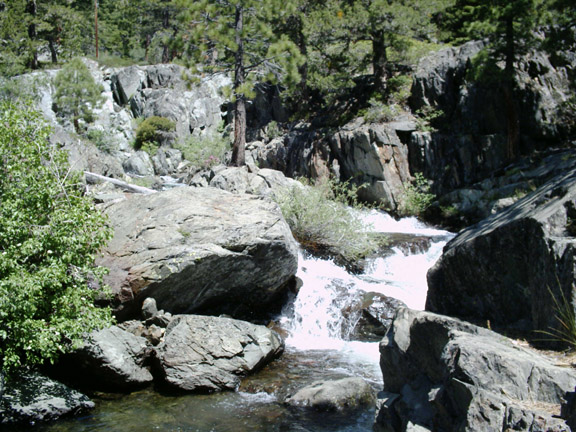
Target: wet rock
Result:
[[31, 398], [337, 395], [111, 358], [200, 250], [205, 354], [371, 316], [445, 374], [514, 266]]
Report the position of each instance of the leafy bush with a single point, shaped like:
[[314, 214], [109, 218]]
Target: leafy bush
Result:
[[379, 111], [417, 197], [77, 94], [428, 117], [148, 133], [321, 220], [102, 139], [49, 235], [205, 151]]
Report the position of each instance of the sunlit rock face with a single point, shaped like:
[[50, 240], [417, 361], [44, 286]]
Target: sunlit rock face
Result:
[[200, 250]]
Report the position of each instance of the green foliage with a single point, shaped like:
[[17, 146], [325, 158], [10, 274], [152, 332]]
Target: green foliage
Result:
[[379, 111], [321, 220], [102, 140], [24, 88], [427, 117], [205, 151], [273, 130], [417, 197], [77, 94], [565, 317], [50, 233], [484, 69], [148, 133]]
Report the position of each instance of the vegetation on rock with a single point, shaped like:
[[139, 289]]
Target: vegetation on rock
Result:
[[77, 94], [322, 221], [148, 133], [49, 235]]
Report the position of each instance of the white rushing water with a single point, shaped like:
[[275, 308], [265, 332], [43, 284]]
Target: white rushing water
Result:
[[315, 321]]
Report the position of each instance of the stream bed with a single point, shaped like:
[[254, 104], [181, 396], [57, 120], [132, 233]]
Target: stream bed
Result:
[[316, 349]]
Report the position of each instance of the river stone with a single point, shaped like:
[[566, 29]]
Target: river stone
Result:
[[205, 354], [507, 268], [200, 250], [446, 374], [31, 398], [111, 358], [337, 395]]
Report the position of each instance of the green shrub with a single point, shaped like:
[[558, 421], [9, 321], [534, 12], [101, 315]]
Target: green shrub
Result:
[[77, 94], [49, 235], [379, 111], [321, 220], [148, 133], [205, 151], [417, 197], [102, 140], [428, 117]]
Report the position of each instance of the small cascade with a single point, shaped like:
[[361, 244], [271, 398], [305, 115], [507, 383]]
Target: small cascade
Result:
[[317, 318]]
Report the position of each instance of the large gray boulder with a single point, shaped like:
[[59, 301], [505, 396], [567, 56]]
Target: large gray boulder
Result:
[[200, 250], [448, 375], [111, 358], [31, 398], [163, 90], [206, 354], [336, 395], [513, 267]]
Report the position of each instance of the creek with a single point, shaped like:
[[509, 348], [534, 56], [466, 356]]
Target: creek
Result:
[[316, 349]]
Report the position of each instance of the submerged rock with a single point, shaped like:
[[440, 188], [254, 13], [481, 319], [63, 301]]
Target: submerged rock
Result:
[[514, 266], [200, 250], [337, 395], [31, 398], [201, 353], [444, 375]]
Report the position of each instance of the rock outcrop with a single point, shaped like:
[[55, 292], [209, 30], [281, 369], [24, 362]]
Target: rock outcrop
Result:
[[471, 141], [200, 250], [514, 266], [32, 398], [370, 154], [442, 374], [207, 354], [338, 395], [111, 359]]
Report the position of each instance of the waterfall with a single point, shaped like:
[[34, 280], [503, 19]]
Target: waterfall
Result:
[[315, 320]]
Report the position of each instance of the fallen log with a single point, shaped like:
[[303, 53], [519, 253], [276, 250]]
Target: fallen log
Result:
[[129, 187]]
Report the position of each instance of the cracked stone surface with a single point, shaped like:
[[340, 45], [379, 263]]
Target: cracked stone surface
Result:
[[446, 374], [200, 250], [206, 354]]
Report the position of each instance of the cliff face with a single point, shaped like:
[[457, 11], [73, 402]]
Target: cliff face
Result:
[[471, 141]]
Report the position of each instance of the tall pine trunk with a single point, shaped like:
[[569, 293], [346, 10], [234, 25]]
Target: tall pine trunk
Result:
[[512, 120], [238, 157], [379, 60], [32, 9]]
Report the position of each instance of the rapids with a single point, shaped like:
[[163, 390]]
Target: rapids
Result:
[[316, 348]]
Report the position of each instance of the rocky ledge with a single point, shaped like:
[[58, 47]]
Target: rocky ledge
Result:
[[443, 374]]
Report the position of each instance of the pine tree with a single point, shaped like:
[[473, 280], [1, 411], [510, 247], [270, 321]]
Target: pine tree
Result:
[[509, 26], [238, 36], [77, 94]]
